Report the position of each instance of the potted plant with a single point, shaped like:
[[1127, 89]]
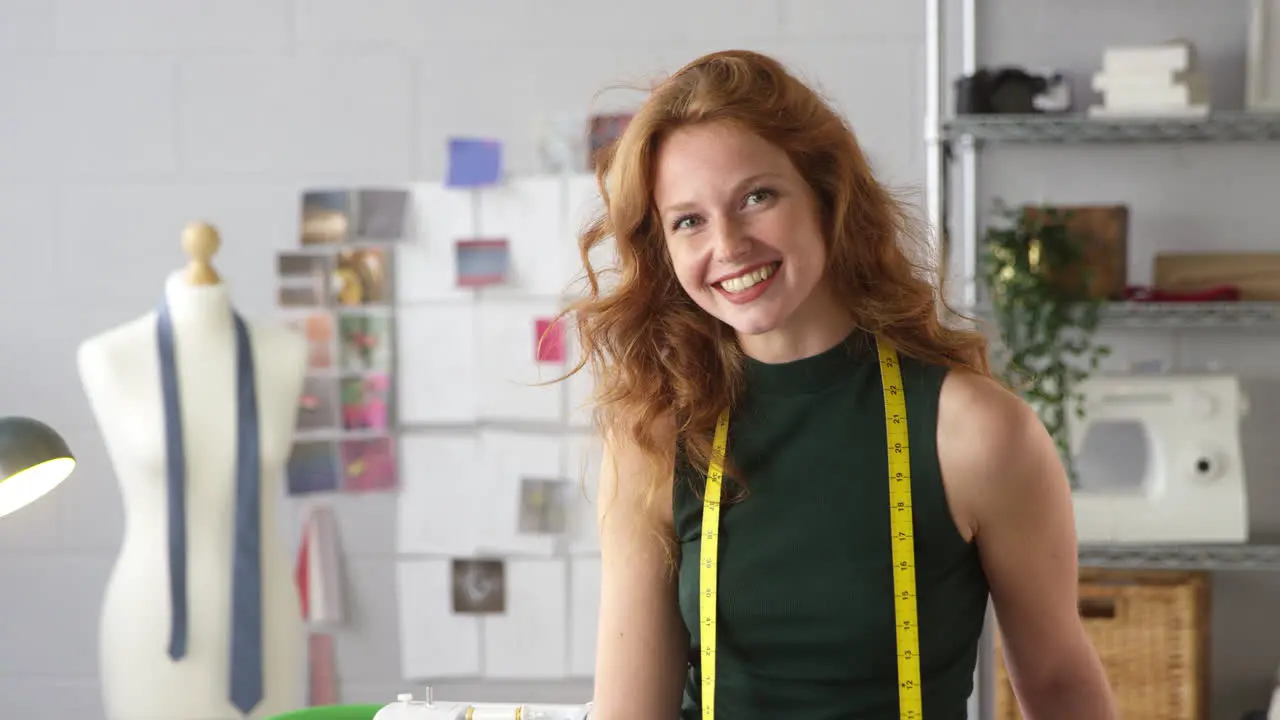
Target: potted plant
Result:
[[1039, 291]]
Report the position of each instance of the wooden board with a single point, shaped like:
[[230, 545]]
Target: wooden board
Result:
[[1257, 275], [1103, 232]]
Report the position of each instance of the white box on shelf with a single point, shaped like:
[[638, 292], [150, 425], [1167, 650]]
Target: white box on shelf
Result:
[[1159, 90], [1172, 56]]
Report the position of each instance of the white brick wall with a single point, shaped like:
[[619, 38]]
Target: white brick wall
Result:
[[121, 121]]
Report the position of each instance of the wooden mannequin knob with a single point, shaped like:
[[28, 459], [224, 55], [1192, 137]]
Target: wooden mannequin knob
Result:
[[200, 241]]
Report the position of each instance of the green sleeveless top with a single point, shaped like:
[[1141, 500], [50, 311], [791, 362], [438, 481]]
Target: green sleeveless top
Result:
[[806, 616]]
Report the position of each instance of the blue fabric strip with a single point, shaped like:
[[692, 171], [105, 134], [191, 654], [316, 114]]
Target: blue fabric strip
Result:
[[246, 608]]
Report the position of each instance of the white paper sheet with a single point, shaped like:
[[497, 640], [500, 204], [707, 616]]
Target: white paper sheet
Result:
[[425, 267], [436, 377], [434, 641], [583, 203], [530, 213], [530, 641], [582, 466], [509, 458], [584, 614], [507, 364], [444, 495]]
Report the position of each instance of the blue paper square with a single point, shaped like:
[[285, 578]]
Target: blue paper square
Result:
[[474, 162]]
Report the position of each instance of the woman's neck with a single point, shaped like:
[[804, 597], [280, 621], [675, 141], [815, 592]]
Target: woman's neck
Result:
[[819, 324], [196, 303]]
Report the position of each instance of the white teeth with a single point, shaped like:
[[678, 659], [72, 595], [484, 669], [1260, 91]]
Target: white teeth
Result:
[[742, 282]]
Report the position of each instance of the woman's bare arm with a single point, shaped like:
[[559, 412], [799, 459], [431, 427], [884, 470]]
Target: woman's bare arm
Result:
[[1003, 469], [641, 642]]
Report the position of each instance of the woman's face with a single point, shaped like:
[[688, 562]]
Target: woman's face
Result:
[[741, 226]]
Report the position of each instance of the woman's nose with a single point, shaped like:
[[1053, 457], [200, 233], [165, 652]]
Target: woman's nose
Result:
[[731, 241]]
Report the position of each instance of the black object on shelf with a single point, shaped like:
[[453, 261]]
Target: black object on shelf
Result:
[[1003, 91]]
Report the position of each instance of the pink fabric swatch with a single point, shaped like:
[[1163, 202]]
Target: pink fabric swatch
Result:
[[548, 341]]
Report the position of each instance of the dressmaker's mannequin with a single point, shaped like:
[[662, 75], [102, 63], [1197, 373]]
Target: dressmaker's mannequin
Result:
[[143, 675]]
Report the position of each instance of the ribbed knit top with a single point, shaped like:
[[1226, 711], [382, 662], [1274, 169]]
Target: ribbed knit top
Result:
[[805, 613]]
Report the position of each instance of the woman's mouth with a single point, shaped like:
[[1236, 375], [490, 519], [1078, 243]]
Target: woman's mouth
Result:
[[749, 285]]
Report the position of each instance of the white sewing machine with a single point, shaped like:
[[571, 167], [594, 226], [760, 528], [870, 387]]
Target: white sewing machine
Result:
[[406, 708], [1159, 459]]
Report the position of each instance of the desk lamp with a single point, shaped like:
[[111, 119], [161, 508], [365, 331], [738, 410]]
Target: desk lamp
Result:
[[34, 459]]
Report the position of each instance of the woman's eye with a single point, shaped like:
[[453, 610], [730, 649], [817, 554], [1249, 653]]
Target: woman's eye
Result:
[[683, 223], [757, 196]]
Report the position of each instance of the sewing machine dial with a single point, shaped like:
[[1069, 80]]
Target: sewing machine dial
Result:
[[1207, 464]]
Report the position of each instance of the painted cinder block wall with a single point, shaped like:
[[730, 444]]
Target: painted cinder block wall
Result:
[[120, 122]]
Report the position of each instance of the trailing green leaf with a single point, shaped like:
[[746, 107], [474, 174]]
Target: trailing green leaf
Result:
[[1034, 271]]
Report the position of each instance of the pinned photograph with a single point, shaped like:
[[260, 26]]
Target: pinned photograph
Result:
[[326, 217], [544, 506], [368, 464], [301, 296], [474, 162], [313, 468], [548, 339], [362, 277], [304, 267], [318, 329], [481, 262], [479, 587], [318, 405], [303, 278], [381, 214], [364, 343], [602, 132], [366, 403]]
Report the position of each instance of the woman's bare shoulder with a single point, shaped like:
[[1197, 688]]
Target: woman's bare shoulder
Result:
[[982, 428]]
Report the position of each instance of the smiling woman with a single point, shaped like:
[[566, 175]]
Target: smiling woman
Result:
[[765, 280]]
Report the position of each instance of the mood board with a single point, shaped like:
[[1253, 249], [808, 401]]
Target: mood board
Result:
[[431, 312]]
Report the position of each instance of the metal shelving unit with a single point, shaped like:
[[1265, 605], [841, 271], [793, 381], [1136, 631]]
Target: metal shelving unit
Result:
[[952, 150], [1218, 127], [956, 140]]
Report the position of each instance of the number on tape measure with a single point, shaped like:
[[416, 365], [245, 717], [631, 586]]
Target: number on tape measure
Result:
[[902, 537]]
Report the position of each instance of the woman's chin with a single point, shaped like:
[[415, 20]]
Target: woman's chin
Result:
[[751, 324]]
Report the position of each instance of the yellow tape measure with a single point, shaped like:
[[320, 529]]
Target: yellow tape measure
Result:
[[906, 615]]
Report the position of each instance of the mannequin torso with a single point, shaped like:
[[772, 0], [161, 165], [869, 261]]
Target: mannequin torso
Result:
[[120, 372]]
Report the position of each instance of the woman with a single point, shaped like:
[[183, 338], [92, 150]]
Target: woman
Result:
[[758, 261]]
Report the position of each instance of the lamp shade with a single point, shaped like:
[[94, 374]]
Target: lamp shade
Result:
[[34, 459]]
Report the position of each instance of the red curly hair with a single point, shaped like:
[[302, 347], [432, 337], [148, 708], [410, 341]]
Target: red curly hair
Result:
[[656, 356]]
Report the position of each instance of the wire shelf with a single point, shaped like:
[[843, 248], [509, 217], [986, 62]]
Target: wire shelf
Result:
[[1181, 316], [1218, 127], [1253, 556], [1201, 316]]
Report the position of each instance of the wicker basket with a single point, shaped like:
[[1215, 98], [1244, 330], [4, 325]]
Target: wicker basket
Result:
[[1151, 631]]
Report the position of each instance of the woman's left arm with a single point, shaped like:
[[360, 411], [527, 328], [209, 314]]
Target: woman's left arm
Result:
[[1006, 482]]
